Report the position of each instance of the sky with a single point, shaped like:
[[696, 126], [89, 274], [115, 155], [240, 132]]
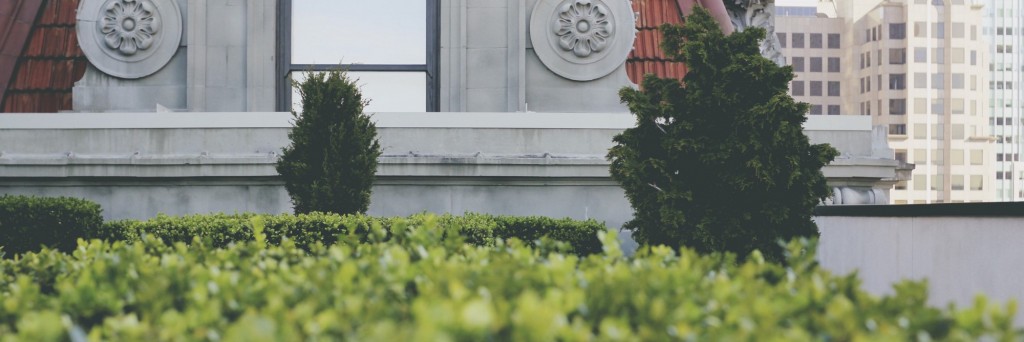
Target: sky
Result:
[[365, 32]]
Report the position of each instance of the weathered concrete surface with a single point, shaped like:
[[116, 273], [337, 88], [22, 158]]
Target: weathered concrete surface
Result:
[[960, 256]]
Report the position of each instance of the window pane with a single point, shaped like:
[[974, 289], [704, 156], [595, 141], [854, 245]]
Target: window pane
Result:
[[353, 31], [833, 40], [386, 91], [815, 64], [815, 40]]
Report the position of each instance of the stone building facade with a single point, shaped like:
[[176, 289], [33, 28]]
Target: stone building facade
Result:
[[515, 105]]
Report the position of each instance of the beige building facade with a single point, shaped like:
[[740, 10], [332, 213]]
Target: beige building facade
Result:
[[918, 67]]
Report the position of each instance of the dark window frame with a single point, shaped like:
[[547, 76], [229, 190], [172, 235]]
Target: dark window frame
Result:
[[431, 67]]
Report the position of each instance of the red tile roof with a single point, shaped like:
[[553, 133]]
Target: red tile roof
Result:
[[48, 64], [647, 56]]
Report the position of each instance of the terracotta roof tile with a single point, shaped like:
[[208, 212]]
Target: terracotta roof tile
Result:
[[647, 56], [49, 64]]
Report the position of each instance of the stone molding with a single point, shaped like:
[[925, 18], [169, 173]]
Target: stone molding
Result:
[[129, 38], [582, 40]]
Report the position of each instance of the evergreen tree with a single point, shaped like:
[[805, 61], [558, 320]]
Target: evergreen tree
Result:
[[719, 160], [331, 163]]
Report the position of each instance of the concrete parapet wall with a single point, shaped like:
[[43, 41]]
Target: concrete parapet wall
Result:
[[553, 164], [962, 249]]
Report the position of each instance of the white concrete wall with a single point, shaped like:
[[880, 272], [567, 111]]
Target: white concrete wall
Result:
[[960, 256]]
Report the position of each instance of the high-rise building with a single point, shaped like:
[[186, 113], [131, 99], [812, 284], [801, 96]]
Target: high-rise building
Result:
[[1002, 29], [917, 67]]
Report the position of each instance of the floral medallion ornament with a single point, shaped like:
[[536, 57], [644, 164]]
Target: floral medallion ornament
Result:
[[583, 27], [129, 26], [580, 39], [129, 38]]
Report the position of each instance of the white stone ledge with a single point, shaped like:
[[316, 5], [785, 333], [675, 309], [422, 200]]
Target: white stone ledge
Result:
[[145, 120], [384, 120]]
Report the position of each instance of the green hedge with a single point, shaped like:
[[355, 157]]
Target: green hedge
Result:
[[418, 284], [220, 230], [26, 223]]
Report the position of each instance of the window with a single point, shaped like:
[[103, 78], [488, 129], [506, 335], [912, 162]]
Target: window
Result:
[[974, 57], [974, 82], [816, 110], [958, 133], [957, 182], [815, 40], [920, 106], [920, 55], [920, 29], [897, 106], [833, 64], [900, 155], [939, 55], [816, 89], [833, 110], [897, 81], [938, 182], [974, 32], [898, 56], [938, 81], [958, 81], [939, 30], [957, 157], [798, 63], [938, 106], [958, 56], [920, 132], [833, 88], [798, 40], [957, 106], [919, 182], [898, 129], [815, 64], [977, 157], [798, 88], [833, 40], [920, 80], [938, 133], [958, 30], [976, 182], [398, 69], [898, 31], [782, 38]]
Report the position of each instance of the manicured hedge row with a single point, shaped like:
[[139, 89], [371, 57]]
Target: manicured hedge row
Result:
[[26, 223], [422, 285], [306, 229]]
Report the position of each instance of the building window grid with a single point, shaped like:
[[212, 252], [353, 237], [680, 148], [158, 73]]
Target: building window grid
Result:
[[430, 67]]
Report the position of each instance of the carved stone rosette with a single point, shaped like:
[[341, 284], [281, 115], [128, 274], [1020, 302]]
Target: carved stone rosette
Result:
[[582, 40], [129, 38]]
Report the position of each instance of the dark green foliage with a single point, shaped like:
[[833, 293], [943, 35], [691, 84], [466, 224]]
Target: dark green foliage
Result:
[[26, 223], [306, 230], [332, 160], [719, 161]]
